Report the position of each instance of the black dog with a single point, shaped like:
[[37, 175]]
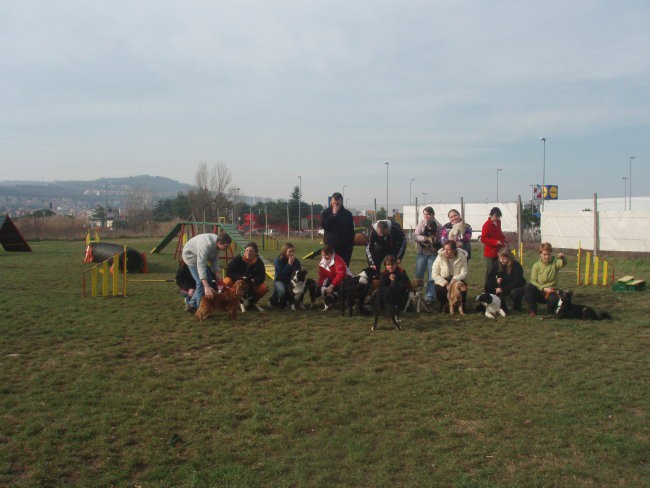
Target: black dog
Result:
[[297, 289], [247, 296], [566, 309], [311, 288], [390, 300], [355, 290]]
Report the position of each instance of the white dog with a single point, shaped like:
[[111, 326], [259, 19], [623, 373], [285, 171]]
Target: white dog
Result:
[[492, 305], [458, 229]]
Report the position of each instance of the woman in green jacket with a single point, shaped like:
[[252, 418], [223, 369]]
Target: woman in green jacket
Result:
[[543, 279]]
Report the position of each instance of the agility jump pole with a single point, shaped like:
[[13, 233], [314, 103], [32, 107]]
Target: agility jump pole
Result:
[[105, 271], [591, 275]]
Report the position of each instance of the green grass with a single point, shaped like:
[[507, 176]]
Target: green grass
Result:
[[135, 392]]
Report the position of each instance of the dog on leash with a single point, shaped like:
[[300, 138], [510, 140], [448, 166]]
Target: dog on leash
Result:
[[355, 289], [227, 300], [455, 296], [415, 295], [297, 289], [566, 309], [492, 304]]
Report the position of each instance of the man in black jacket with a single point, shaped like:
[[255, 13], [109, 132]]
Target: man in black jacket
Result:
[[338, 226], [386, 238]]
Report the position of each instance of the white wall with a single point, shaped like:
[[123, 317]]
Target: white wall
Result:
[[619, 231]]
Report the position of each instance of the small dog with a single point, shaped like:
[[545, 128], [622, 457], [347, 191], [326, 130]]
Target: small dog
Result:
[[566, 309], [458, 229], [228, 300], [389, 300], [415, 297], [492, 304], [455, 296], [312, 289], [355, 290], [247, 296], [297, 289]]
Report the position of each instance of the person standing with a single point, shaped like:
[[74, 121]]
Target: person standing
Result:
[[492, 238], [427, 237], [385, 238], [463, 239], [338, 226], [198, 252]]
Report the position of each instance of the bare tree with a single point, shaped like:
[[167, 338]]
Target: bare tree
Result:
[[220, 179]]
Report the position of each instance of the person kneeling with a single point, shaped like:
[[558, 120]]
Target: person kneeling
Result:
[[248, 267]]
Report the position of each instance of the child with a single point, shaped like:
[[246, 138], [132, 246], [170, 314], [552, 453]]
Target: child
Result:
[[543, 279], [394, 283]]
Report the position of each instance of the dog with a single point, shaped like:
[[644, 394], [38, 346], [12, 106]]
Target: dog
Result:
[[297, 289], [455, 296], [458, 229], [389, 300], [311, 289], [492, 304], [247, 296], [566, 309], [415, 298], [355, 289], [227, 300]]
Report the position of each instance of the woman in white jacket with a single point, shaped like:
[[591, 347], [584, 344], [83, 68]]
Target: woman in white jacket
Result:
[[450, 265]]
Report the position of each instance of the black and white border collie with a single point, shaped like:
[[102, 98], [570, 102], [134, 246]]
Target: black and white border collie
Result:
[[492, 304]]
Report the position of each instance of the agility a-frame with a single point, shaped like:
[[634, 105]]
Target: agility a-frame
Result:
[[10, 236]]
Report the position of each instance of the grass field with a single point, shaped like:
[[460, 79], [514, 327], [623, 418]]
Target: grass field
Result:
[[102, 392]]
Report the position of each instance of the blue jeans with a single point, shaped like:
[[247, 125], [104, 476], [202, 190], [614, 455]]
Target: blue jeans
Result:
[[195, 301], [423, 265]]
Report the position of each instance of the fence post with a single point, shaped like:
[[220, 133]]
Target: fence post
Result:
[[519, 210], [596, 236], [462, 209]]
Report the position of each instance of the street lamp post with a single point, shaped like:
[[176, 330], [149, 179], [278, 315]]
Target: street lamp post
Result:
[[299, 200], [625, 192], [498, 170], [424, 195], [410, 184], [543, 139], [387, 164], [344, 187], [630, 176], [234, 211]]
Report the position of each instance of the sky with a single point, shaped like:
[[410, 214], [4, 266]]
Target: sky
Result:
[[454, 95]]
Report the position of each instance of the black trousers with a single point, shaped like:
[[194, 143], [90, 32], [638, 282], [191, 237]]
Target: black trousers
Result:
[[534, 296]]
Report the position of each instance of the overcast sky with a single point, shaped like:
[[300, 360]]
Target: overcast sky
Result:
[[446, 92]]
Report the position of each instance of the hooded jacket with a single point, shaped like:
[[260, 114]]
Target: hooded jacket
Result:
[[443, 271]]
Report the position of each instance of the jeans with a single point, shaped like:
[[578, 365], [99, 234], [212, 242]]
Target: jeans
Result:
[[195, 301], [423, 265]]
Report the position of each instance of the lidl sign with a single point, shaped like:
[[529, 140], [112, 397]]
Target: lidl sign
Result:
[[550, 192]]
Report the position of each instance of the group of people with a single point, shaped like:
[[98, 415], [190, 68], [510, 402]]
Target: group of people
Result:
[[443, 255]]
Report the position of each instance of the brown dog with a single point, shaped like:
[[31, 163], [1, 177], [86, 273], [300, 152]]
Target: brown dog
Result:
[[227, 301], [455, 296]]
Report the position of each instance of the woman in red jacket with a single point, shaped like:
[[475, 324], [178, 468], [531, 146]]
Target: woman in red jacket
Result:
[[492, 238], [331, 271]]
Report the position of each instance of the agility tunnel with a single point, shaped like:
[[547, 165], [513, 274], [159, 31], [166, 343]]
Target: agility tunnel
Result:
[[101, 251]]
